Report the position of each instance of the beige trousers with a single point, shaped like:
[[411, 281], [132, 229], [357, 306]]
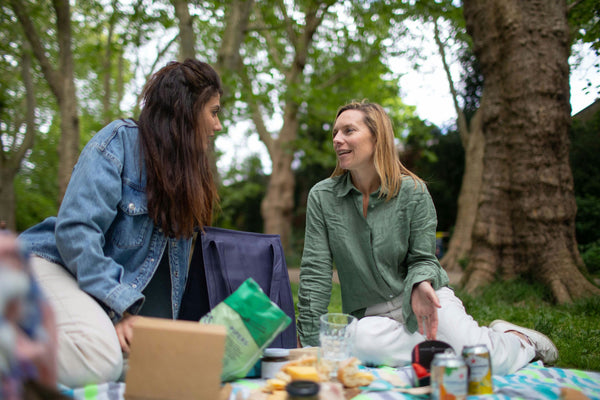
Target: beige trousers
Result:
[[88, 347]]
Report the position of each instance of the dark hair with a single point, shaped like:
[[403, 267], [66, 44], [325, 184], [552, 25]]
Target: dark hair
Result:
[[175, 145]]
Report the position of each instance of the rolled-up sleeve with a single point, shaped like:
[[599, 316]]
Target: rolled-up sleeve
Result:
[[421, 261]]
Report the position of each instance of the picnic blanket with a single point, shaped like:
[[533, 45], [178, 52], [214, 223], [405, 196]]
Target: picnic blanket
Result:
[[532, 382]]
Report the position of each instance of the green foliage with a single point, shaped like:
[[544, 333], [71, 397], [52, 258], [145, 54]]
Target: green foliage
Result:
[[590, 253], [583, 20], [585, 146], [587, 221], [35, 185], [241, 194], [444, 176]]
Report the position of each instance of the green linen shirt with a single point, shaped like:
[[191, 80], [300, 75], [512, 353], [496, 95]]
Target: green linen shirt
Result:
[[376, 257]]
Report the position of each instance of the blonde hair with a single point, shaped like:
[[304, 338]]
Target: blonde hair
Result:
[[387, 163]]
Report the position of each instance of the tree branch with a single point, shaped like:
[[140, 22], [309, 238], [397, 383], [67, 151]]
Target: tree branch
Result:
[[36, 45], [574, 4], [228, 57], [256, 115], [159, 56], [460, 116], [289, 24], [30, 130], [271, 44]]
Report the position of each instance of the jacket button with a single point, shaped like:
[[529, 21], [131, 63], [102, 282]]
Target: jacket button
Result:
[[131, 207]]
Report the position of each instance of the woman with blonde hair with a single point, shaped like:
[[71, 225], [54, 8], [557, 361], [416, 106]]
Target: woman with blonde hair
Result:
[[375, 220]]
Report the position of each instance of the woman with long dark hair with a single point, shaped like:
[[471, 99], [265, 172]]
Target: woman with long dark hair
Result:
[[120, 245]]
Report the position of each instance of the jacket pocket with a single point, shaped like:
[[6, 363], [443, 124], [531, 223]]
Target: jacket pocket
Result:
[[132, 226]]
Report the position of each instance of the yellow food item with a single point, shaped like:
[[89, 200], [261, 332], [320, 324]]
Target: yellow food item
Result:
[[274, 384], [300, 372], [350, 376]]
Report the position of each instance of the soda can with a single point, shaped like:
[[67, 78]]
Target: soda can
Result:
[[479, 363], [448, 377]]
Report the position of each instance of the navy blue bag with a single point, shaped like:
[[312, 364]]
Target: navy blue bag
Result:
[[223, 259]]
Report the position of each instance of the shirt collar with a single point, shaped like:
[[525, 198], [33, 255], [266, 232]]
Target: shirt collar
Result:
[[345, 186]]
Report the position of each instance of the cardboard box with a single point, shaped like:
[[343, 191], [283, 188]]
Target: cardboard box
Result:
[[175, 360]]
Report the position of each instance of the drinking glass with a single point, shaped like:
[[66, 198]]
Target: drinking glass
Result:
[[337, 338]]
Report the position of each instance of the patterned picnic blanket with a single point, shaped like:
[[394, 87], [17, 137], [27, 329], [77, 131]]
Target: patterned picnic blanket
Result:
[[532, 382]]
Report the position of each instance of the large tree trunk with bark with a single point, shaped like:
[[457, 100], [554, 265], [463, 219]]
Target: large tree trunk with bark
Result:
[[525, 223]]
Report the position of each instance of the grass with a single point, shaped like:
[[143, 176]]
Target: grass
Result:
[[574, 328]]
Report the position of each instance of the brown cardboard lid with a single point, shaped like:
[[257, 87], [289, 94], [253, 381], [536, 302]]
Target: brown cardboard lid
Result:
[[175, 360]]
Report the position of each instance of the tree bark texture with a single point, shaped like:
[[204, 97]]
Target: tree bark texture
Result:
[[525, 223]]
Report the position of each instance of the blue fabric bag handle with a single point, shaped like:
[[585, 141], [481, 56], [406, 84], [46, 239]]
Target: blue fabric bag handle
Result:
[[230, 257]]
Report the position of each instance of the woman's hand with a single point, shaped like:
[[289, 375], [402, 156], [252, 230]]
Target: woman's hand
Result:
[[424, 304], [124, 330]]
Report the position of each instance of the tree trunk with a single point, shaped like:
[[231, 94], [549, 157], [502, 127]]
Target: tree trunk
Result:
[[68, 147], [61, 82], [11, 161], [107, 66], [525, 223], [460, 241], [7, 199], [278, 204], [228, 56], [472, 140], [187, 36]]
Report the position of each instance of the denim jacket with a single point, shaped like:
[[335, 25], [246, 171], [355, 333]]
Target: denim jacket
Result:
[[103, 234]]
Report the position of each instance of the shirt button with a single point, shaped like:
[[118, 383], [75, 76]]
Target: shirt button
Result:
[[111, 314], [152, 260], [391, 295], [133, 285], [131, 207]]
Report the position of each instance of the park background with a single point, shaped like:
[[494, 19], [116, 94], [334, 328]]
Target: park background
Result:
[[512, 171]]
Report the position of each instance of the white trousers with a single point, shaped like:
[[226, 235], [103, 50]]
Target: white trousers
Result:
[[382, 338], [88, 348]]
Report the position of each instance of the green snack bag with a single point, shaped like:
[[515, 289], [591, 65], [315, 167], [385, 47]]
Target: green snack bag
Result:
[[252, 321]]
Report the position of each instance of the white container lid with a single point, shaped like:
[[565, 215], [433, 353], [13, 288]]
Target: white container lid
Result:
[[276, 352]]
